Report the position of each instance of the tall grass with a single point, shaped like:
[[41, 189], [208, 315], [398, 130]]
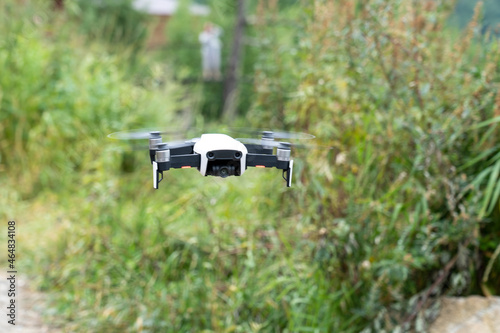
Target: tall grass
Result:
[[413, 179], [58, 97]]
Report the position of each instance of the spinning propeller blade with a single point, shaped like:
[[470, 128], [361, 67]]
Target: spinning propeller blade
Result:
[[146, 133], [142, 147], [273, 134], [276, 144]]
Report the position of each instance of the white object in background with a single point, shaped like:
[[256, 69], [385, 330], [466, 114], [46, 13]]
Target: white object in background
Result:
[[167, 7], [211, 51]]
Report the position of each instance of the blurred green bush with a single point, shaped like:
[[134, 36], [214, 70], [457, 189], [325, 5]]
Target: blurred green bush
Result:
[[59, 97], [114, 22], [405, 202]]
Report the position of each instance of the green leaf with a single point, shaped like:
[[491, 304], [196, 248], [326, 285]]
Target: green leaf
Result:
[[479, 178], [486, 123], [489, 196], [477, 159]]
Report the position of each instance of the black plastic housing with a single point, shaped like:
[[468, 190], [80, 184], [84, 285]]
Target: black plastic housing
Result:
[[224, 163]]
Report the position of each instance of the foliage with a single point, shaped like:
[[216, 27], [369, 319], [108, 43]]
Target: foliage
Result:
[[82, 95], [408, 193], [183, 53], [490, 18], [113, 21]]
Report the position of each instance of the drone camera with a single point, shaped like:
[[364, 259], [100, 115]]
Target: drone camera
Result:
[[224, 163], [222, 170]]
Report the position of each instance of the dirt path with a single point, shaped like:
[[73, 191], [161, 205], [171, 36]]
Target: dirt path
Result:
[[29, 306]]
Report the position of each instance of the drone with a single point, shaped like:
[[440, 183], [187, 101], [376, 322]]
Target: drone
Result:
[[218, 155]]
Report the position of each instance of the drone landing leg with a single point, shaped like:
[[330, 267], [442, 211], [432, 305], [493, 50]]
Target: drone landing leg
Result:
[[288, 172], [156, 175]]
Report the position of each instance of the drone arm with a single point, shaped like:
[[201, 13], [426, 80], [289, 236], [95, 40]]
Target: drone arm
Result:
[[175, 162], [185, 149], [176, 150], [258, 149], [185, 161], [270, 161], [262, 161]]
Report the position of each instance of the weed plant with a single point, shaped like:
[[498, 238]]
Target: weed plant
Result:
[[406, 204]]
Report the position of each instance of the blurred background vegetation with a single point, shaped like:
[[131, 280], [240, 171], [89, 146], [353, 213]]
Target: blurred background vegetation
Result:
[[404, 209]]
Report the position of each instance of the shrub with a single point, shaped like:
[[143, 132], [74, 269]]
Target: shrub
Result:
[[404, 202], [57, 96]]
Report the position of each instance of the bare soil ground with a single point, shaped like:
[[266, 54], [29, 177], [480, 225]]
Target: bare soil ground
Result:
[[29, 307]]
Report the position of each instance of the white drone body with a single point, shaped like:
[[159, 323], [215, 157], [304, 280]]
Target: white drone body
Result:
[[211, 147], [217, 155]]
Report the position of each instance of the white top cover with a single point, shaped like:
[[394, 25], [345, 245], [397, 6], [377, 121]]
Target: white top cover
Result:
[[167, 7], [209, 142]]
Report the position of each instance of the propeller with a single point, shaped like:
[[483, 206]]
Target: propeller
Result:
[[273, 134], [176, 144], [278, 144], [139, 147], [146, 133]]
